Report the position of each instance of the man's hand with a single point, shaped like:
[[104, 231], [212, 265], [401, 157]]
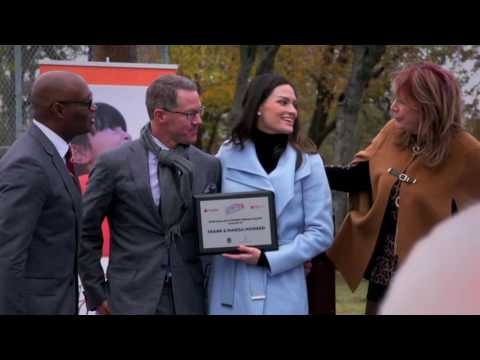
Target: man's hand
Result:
[[104, 309]]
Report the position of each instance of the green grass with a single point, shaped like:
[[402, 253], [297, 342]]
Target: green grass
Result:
[[348, 303]]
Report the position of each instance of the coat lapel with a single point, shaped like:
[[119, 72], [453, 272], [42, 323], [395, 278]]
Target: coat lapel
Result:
[[244, 167], [284, 177], [138, 162], [72, 185], [72, 188]]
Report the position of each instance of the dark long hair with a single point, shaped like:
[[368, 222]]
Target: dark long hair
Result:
[[259, 89]]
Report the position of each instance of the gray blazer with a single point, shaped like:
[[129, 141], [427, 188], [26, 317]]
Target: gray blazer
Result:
[[40, 214], [119, 188]]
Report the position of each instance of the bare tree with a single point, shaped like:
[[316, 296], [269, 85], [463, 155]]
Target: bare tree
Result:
[[149, 53], [267, 58], [248, 55], [117, 53], [320, 128], [247, 60], [128, 53], [365, 57]]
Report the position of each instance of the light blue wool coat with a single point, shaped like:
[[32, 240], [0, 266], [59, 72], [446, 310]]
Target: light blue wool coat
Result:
[[304, 224]]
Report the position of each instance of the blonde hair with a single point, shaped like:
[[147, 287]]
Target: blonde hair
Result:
[[436, 94]]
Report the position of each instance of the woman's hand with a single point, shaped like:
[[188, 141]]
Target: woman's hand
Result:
[[249, 255]]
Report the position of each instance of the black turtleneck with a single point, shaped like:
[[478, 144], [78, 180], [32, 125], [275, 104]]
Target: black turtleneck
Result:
[[269, 148]]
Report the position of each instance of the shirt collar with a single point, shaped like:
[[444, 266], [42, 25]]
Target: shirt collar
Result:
[[159, 143], [60, 144]]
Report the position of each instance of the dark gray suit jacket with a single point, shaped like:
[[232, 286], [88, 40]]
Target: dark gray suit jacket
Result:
[[40, 214], [119, 188]]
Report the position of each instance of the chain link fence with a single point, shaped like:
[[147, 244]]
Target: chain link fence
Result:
[[18, 69]]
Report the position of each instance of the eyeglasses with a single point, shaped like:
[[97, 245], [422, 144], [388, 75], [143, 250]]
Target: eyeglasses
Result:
[[88, 103], [190, 115]]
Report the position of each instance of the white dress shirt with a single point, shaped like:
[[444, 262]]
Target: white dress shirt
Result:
[[59, 144], [153, 168]]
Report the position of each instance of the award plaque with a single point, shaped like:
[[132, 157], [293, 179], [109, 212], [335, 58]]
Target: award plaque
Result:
[[226, 221]]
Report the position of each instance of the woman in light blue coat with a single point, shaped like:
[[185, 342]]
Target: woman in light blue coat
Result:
[[267, 152]]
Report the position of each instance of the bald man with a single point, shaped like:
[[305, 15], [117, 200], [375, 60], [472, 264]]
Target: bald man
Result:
[[40, 201]]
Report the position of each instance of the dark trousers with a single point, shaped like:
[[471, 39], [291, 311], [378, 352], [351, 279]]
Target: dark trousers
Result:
[[166, 305], [321, 287]]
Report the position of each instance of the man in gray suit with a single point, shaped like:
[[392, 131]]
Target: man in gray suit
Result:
[[145, 188], [40, 202]]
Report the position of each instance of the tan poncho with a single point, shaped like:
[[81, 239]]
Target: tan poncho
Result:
[[422, 205]]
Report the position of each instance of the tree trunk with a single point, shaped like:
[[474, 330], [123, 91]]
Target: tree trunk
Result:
[[365, 57], [319, 126], [248, 55], [267, 59], [247, 60], [215, 119], [149, 53], [115, 53]]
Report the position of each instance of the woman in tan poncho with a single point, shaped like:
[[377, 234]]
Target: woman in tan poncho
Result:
[[420, 169]]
